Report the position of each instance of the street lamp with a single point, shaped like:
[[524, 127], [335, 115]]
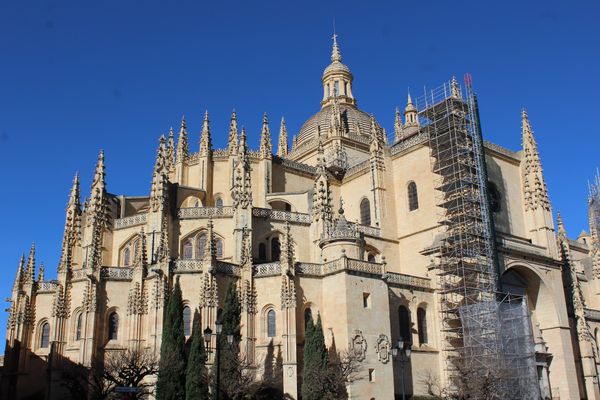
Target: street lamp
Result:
[[207, 337], [402, 350]]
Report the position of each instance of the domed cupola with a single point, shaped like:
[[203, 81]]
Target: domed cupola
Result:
[[337, 79]]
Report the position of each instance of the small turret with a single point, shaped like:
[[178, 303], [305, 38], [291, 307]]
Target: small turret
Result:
[[266, 148], [30, 268], [159, 188], [411, 119], [282, 145], [171, 150], [41, 273], [535, 191], [455, 89], [205, 139], [98, 202], [20, 273], [72, 231], [232, 143]]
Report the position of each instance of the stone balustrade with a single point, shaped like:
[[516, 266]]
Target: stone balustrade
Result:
[[137, 219], [267, 269], [116, 273], [278, 215], [407, 280], [187, 266], [47, 286], [205, 212]]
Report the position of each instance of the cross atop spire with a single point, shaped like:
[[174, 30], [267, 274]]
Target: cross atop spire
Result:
[[335, 51]]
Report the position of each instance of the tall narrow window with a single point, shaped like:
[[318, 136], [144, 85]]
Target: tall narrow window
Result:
[[200, 246], [219, 247], [404, 322], [422, 325], [78, 326], [126, 257], [336, 88], [219, 202], [45, 336], [262, 252], [271, 324], [113, 326], [307, 317], [365, 212], [275, 249], [494, 197], [413, 196], [188, 249], [187, 321]]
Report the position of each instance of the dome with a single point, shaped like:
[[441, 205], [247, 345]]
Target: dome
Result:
[[336, 66], [353, 119]]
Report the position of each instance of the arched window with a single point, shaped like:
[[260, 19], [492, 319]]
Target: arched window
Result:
[[413, 197], [275, 249], [78, 326], [188, 250], [307, 317], [200, 246], [494, 197], [197, 203], [187, 319], [113, 326], [262, 251], [219, 247], [218, 202], [404, 322], [126, 257], [371, 257], [422, 325], [271, 324], [45, 335], [365, 212]]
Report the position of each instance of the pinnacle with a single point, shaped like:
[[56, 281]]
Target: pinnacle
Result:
[[335, 51]]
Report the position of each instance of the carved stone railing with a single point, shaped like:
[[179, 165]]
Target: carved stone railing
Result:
[[335, 232], [402, 145], [187, 266], [502, 150], [117, 273], [361, 166], [220, 153], [228, 268], [79, 274], [47, 286], [368, 230], [407, 280], [205, 212], [364, 266], [309, 269], [267, 269], [592, 314], [277, 215], [137, 219], [295, 165]]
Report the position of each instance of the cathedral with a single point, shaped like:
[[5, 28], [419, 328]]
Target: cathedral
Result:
[[340, 220]]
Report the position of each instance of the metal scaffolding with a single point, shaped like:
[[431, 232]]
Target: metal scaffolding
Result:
[[480, 328], [594, 204]]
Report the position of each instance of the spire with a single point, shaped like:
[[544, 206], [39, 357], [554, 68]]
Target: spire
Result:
[[141, 255], [336, 127], [205, 139], [159, 190], [163, 252], [171, 150], [182, 143], [335, 51], [455, 89], [241, 191], [98, 202], [562, 233], [287, 251], [41, 273], [233, 135], [411, 119], [266, 148], [72, 231], [210, 250], [321, 162], [322, 201], [20, 273], [30, 268], [282, 145], [398, 128], [375, 146], [535, 190]]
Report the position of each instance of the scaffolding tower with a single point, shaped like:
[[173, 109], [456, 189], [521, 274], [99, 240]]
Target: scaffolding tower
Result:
[[480, 328]]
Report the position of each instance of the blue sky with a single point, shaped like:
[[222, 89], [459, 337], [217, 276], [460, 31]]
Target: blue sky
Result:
[[76, 77]]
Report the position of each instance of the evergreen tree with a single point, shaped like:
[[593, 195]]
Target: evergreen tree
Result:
[[315, 361], [231, 369], [170, 384], [196, 382]]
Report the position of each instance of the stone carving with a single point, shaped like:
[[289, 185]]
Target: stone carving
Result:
[[382, 348], [358, 345]]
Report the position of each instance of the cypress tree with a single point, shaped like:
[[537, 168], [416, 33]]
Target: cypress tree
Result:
[[231, 370], [196, 382], [315, 361], [170, 384]]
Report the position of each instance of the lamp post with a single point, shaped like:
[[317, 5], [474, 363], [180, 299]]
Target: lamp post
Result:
[[207, 337], [402, 350]]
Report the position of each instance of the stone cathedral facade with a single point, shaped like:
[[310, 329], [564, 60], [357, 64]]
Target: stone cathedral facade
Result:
[[342, 223]]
